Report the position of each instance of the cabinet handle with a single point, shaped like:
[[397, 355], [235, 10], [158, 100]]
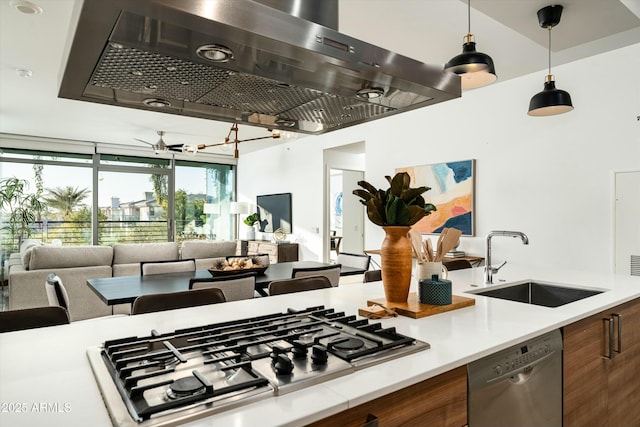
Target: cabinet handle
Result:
[[608, 326], [619, 322], [372, 421]]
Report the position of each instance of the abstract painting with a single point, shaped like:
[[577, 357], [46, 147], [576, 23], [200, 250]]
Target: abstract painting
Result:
[[452, 191]]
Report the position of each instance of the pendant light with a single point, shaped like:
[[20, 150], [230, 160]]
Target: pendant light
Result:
[[474, 68], [550, 101]]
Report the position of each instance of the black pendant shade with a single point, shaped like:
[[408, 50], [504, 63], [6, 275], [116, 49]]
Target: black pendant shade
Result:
[[475, 68], [550, 101]]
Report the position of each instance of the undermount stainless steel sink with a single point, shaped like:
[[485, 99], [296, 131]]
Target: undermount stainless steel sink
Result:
[[538, 293]]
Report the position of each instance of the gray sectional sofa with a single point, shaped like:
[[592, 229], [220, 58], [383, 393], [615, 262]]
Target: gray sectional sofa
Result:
[[76, 264]]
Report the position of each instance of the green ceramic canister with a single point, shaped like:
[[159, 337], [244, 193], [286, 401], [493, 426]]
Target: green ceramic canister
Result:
[[435, 291]]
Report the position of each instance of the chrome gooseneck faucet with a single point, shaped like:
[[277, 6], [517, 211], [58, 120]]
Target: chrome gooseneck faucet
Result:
[[489, 270]]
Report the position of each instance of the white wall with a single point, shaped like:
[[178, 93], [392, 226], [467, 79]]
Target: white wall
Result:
[[550, 177], [353, 214], [295, 168]]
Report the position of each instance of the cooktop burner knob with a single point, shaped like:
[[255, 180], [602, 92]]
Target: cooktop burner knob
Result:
[[319, 354], [276, 350], [283, 365], [299, 350]]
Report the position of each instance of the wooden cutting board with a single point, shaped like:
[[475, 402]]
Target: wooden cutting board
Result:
[[413, 308]]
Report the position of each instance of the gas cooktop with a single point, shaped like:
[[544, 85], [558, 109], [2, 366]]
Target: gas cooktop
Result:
[[170, 378]]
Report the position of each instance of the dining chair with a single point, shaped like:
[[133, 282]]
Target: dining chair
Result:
[[234, 287], [29, 318], [56, 293], [171, 266], [335, 242], [354, 260], [331, 272], [174, 300], [457, 264], [300, 284], [372, 276]]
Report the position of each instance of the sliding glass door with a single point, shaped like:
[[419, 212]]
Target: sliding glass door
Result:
[[202, 197]]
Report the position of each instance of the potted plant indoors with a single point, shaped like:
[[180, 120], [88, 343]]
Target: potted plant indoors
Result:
[[395, 209], [250, 221]]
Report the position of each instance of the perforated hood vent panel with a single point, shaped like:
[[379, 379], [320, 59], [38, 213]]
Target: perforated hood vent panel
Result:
[[285, 72]]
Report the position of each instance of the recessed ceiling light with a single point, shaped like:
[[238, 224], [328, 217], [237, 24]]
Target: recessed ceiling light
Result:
[[157, 103], [285, 122], [215, 53], [27, 7], [370, 93], [24, 73]]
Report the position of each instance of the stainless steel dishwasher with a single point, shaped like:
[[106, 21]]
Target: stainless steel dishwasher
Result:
[[518, 387]]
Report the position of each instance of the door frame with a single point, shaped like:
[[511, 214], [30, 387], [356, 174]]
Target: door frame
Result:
[[331, 161]]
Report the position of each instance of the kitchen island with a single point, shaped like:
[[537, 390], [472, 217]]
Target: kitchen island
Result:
[[46, 378]]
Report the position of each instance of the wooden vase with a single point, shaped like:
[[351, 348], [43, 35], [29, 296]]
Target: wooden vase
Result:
[[395, 255]]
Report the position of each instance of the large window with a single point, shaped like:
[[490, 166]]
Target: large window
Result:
[[63, 182], [133, 199], [202, 197]]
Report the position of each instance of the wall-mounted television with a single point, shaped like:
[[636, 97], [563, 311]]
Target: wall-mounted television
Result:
[[274, 211]]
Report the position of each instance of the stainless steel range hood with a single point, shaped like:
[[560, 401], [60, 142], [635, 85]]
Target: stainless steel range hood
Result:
[[245, 61]]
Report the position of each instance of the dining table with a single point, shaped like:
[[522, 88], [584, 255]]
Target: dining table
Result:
[[125, 289]]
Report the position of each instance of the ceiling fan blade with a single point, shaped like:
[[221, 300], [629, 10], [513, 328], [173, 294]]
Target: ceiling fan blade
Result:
[[144, 142]]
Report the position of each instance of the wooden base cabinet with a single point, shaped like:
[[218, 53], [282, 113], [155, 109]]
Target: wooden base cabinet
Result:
[[602, 369], [439, 401]]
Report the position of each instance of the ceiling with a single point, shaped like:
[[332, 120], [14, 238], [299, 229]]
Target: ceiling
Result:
[[430, 31]]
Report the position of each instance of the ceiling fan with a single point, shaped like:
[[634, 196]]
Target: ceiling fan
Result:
[[161, 147], [227, 141]]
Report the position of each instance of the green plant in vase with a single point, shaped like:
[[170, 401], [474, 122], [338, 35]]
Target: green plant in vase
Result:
[[397, 205], [250, 221], [395, 209]]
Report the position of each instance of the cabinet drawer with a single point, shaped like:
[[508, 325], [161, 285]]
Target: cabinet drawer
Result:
[[438, 401], [269, 249], [277, 252]]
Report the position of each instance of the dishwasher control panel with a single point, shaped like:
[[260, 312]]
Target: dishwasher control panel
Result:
[[522, 356], [516, 358]]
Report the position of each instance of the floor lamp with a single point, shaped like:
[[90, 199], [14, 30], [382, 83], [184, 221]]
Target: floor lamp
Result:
[[238, 208]]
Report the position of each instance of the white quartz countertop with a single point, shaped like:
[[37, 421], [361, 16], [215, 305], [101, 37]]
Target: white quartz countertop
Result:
[[46, 378]]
